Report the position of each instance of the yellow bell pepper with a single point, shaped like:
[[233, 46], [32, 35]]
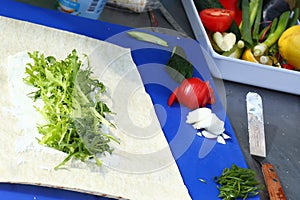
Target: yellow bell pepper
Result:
[[289, 46], [248, 56]]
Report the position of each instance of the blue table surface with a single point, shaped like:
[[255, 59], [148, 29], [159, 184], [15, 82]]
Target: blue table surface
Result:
[[149, 58]]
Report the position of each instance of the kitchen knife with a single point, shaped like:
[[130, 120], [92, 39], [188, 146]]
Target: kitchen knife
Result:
[[258, 147]]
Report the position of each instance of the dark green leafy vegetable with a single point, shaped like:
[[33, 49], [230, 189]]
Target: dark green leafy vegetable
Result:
[[178, 67], [236, 182], [234, 28], [294, 18], [72, 107], [203, 4]]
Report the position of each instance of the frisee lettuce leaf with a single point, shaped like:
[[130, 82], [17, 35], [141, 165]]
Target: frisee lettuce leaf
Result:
[[72, 107]]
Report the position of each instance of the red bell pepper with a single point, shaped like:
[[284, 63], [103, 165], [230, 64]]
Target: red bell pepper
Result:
[[288, 66], [233, 5]]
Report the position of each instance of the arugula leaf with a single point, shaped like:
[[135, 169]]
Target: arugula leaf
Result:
[[72, 107], [178, 67]]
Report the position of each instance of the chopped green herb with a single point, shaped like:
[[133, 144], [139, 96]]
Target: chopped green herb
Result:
[[236, 182], [72, 107], [178, 67]]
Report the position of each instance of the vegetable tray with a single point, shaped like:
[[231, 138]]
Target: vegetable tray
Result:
[[238, 70], [196, 172]]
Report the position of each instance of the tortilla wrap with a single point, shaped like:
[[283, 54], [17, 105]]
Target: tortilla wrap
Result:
[[141, 166]]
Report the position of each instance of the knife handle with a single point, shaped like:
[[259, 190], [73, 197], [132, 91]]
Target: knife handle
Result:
[[274, 187]]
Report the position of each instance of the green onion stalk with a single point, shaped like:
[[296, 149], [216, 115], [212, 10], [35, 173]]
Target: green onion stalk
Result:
[[260, 49]]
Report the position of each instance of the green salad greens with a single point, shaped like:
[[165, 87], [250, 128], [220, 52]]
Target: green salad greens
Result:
[[72, 108]]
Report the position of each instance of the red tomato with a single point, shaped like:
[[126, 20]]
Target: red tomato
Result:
[[193, 93], [216, 19]]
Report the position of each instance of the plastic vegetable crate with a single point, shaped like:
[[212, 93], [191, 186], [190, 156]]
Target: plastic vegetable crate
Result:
[[237, 70]]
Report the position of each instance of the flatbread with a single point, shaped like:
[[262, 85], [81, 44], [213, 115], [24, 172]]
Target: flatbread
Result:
[[141, 167]]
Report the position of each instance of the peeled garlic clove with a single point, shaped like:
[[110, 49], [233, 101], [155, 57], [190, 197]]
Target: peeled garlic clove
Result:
[[198, 115], [221, 140], [208, 135]]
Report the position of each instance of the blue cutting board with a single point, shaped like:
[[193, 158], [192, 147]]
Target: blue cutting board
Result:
[[150, 60]]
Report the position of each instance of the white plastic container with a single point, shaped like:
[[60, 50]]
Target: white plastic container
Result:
[[84, 8], [239, 70]]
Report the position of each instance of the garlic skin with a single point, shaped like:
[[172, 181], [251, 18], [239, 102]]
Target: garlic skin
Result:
[[208, 123]]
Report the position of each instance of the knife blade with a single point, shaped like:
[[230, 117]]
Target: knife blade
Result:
[[256, 124], [258, 147]]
